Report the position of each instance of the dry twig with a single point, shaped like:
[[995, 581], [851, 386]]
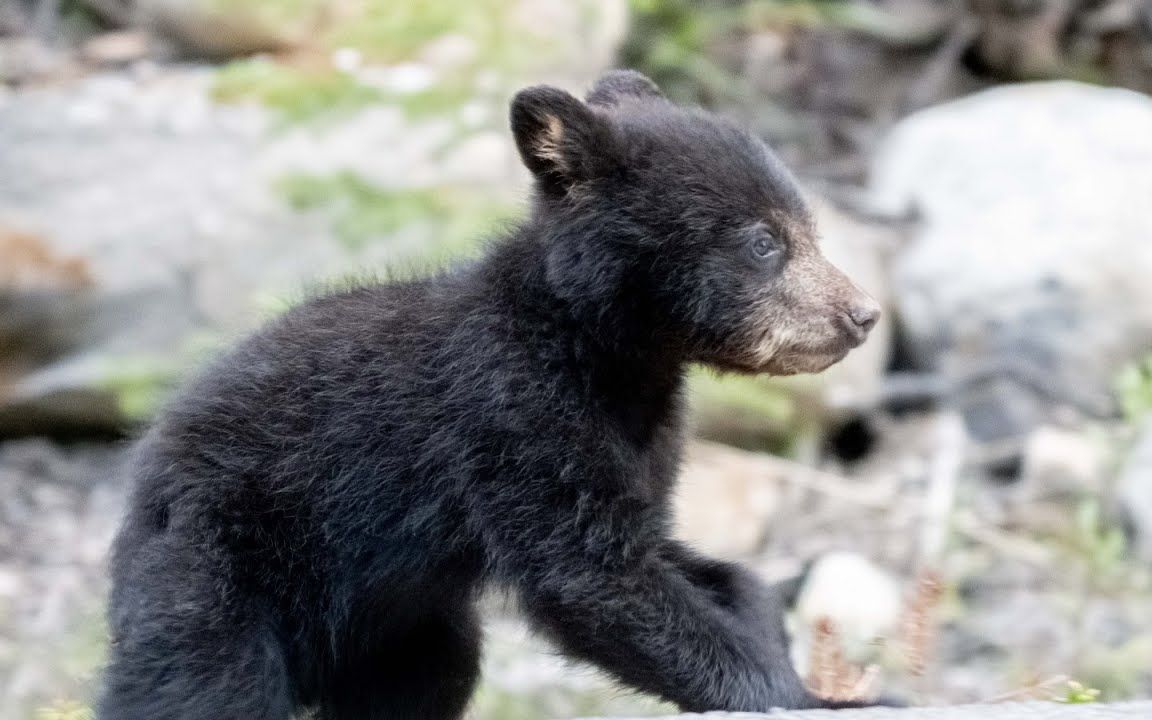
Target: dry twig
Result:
[[920, 622], [830, 675]]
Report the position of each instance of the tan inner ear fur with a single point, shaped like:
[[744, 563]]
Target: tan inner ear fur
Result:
[[547, 146]]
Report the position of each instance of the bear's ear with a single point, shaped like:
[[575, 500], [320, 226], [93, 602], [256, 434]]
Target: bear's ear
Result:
[[617, 85], [560, 139]]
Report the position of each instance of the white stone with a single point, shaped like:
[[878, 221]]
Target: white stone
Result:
[[863, 600], [1035, 240]]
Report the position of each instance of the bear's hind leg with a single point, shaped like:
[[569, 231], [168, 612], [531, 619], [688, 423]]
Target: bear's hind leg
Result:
[[425, 672], [196, 674]]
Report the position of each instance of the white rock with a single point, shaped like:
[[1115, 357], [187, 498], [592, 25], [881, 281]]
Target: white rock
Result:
[[1036, 242], [863, 600], [726, 498], [1060, 461]]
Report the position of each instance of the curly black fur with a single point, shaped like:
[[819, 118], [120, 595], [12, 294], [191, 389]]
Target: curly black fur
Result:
[[316, 514]]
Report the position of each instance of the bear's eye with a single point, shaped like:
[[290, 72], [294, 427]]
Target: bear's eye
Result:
[[764, 244]]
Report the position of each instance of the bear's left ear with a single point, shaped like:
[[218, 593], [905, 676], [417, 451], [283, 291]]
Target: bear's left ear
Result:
[[560, 139]]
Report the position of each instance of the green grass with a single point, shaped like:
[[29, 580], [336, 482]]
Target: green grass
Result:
[[1134, 389], [757, 413], [139, 385], [385, 32], [396, 30], [361, 213], [296, 95]]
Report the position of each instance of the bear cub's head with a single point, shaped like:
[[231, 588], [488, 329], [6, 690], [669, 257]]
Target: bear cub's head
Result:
[[687, 223]]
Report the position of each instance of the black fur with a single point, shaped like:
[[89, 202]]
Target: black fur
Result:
[[316, 514]]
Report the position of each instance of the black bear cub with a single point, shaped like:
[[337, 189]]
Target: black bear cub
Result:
[[315, 516]]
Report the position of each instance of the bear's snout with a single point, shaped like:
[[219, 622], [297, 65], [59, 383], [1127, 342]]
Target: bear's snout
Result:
[[860, 317]]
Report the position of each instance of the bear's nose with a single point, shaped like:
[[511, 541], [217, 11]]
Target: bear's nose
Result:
[[865, 315]]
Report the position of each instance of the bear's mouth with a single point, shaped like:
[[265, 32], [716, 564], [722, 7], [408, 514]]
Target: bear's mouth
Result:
[[804, 363], [798, 362]]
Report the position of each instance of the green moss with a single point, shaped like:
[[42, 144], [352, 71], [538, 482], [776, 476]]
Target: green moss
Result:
[[273, 12], [64, 710], [74, 667], [139, 385], [397, 30], [454, 218], [1134, 389], [361, 211], [682, 44], [838, 14], [1077, 693], [757, 413], [671, 41], [296, 94]]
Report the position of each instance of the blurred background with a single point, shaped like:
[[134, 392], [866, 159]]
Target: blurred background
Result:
[[968, 497]]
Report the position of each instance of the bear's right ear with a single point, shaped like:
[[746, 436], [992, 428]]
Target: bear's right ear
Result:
[[560, 139], [618, 85]]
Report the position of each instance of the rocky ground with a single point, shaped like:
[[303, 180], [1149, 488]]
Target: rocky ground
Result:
[[155, 202]]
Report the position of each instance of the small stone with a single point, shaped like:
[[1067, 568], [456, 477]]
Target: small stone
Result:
[[863, 600], [1059, 461], [117, 48]]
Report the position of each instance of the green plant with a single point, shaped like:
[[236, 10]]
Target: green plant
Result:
[[139, 385], [1078, 694], [670, 42], [64, 710], [396, 30], [1102, 546], [296, 94], [1134, 389], [778, 415], [361, 212]]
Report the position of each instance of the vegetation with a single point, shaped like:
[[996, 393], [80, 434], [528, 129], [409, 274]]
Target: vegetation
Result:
[[307, 86], [1134, 388], [452, 218], [757, 413], [297, 94]]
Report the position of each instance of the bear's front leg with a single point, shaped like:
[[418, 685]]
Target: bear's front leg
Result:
[[592, 576], [652, 628]]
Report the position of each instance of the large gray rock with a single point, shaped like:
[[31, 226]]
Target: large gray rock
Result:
[[164, 205], [145, 185], [173, 206], [212, 28], [1027, 284]]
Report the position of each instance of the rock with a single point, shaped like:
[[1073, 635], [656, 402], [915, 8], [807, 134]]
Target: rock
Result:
[[726, 498], [117, 48], [1134, 492], [24, 58], [1026, 284], [1062, 463], [138, 230], [213, 29], [175, 207], [61, 508], [861, 599]]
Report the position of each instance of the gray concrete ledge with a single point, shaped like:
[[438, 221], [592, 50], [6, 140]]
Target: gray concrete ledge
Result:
[[988, 711]]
